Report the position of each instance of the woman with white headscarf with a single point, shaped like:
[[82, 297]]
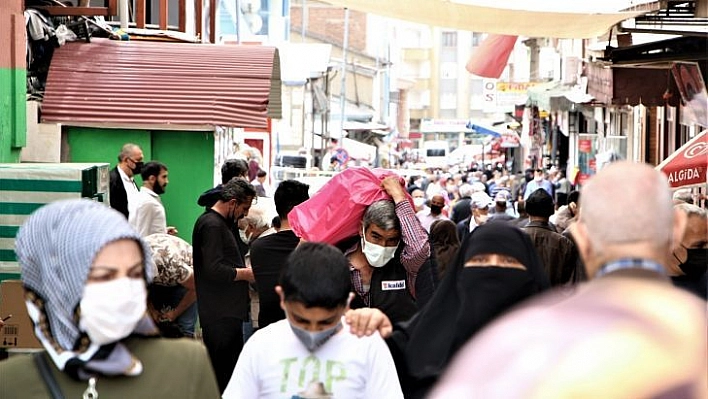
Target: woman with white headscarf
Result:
[[85, 273]]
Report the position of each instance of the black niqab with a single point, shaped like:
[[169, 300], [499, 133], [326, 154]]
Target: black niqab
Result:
[[467, 299]]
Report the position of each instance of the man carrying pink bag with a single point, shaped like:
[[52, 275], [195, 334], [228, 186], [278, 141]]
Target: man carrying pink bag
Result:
[[368, 214]]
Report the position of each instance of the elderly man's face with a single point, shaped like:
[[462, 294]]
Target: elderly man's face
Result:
[[480, 215]]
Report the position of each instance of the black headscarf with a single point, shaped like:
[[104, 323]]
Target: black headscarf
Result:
[[467, 299]]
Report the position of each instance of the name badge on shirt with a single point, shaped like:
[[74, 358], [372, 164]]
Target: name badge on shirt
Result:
[[393, 285]]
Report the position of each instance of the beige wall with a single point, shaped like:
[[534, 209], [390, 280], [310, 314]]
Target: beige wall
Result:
[[43, 139]]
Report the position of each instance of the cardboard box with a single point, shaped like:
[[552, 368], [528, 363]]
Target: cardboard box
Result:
[[18, 331]]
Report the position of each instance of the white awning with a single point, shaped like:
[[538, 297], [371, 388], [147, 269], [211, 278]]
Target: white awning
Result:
[[489, 18], [373, 126], [296, 68], [359, 150]]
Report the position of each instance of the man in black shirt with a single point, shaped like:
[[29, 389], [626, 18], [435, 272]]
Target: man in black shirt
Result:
[[268, 254], [221, 277]]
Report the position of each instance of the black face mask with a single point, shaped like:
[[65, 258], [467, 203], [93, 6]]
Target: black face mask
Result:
[[435, 209], [486, 292], [138, 168], [696, 262]]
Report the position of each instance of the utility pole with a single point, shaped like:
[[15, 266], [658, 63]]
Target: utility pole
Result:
[[303, 17], [343, 89], [238, 21]]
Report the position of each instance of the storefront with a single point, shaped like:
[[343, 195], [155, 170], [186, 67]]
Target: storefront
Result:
[[105, 93], [639, 102]]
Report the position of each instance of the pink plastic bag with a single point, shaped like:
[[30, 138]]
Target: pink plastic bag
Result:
[[335, 211]]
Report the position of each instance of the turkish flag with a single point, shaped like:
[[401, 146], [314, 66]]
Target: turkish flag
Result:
[[490, 58]]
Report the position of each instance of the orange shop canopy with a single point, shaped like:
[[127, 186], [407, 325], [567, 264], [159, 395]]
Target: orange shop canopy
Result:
[[687, 166]]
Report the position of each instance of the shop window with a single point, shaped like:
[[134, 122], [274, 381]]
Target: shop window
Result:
[[617, 145]]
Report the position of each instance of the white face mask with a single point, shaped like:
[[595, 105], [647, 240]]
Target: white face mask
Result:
[[244, 237], [377, 255], [111, 310], [481, 219], [418, 201]]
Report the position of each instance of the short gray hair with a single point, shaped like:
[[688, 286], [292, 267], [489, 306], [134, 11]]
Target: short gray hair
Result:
[[257, 218], [382, 214], [642, 213], [683, 195], [692, 210], [126, 151], [465, 190]]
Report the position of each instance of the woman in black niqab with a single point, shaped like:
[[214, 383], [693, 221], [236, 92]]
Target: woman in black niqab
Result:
[[468, 298]]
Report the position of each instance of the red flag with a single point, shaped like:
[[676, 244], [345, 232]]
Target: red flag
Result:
[[490, 58]]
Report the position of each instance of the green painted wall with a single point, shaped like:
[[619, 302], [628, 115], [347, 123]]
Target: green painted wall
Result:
[[13, 113], [87, 144], [189, 157]]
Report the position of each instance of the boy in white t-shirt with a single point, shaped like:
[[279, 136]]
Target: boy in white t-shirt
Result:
[[312, 354]]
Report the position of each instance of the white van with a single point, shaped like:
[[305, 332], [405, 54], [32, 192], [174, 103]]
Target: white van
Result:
[[436, 153]]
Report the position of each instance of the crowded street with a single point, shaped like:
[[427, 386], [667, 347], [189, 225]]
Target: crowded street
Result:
[[353, 199]]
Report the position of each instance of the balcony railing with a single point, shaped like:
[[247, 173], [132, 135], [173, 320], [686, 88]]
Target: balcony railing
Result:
[[109, 10]]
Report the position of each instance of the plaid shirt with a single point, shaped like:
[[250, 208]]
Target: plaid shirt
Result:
[[416, 250]]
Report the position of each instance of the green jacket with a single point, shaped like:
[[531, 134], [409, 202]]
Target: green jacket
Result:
[[172, 368]]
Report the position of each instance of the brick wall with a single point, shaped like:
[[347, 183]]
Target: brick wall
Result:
[[328, 23]]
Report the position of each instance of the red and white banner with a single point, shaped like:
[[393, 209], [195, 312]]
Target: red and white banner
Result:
[[687, 166]]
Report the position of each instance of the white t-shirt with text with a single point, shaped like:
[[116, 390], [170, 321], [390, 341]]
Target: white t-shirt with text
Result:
[[275, 364]]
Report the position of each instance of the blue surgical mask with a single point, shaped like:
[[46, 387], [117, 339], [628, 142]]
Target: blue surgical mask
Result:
[[314, 340]]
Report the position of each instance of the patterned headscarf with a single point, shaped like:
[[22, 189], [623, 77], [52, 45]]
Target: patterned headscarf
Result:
[[55, 248]]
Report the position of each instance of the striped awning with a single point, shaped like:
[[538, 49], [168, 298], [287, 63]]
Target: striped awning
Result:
[[163, 85], [26, 187]]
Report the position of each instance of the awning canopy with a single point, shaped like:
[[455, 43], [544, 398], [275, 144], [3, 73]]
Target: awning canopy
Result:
[[490, 18], [687, 166], [622, 78], [133, 84], [557, 96], [362, 126], [480, 129], [358, 150], [297, 69]]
